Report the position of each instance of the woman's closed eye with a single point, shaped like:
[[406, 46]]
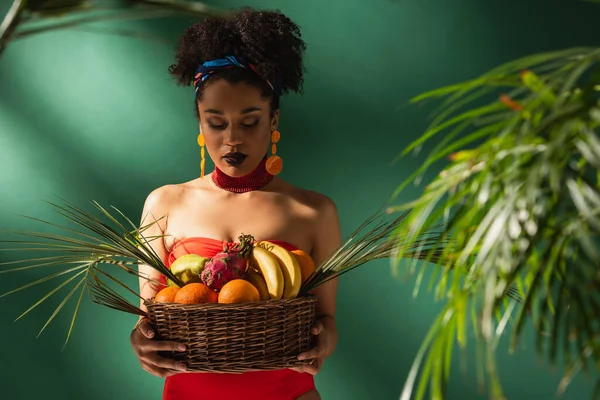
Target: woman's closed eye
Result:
[[217, 124], [222, 125], [250, 123]]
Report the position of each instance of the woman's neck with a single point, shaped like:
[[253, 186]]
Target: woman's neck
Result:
[[255, 180]]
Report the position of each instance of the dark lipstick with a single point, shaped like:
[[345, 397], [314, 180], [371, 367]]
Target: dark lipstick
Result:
[[234, 158]]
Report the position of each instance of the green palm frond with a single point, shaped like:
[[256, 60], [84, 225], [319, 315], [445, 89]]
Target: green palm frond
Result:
[[90, 255], [32, 17], [378, 238], [519, 206], [374, 239]]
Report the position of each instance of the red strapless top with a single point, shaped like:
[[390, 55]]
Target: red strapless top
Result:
[[261, 385]]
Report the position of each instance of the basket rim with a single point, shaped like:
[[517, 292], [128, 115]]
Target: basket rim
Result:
[[254, 304]]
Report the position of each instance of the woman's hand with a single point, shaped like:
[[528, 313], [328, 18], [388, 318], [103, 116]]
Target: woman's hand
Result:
[[146, 349], [326, 338]]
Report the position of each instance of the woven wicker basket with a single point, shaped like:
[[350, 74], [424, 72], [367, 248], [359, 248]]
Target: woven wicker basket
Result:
[[236, 338]]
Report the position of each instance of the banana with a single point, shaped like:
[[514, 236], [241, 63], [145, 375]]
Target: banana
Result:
[[289, 267], [256, 279], [268, 266]]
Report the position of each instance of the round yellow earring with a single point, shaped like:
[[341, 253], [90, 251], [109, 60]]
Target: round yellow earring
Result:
[[274, 162], [202, 159]]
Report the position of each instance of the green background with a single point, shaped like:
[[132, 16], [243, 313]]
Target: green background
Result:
[[92, 116]]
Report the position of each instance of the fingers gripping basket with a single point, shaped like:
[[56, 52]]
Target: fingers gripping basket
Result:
[[236, 338]]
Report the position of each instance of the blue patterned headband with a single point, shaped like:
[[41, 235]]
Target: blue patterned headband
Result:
[[209, 67]]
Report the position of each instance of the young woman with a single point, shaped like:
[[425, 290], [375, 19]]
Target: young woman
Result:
[[239, 67]]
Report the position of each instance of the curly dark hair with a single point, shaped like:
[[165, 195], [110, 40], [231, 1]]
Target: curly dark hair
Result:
[[267, 39]]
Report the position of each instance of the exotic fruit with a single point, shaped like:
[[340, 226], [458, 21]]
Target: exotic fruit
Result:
[[232, 258], [230, 264], [218, 272], [238, 254]]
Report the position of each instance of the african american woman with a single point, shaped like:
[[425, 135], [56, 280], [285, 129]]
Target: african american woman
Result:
[[239, 67]]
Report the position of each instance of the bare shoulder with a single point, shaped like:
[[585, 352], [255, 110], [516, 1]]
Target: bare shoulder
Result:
[[323, 213], [162, 195], [325, 206], [321, 207], [160, 200]]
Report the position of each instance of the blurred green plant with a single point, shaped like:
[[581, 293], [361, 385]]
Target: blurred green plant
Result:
[[31, 17], [519, 202]]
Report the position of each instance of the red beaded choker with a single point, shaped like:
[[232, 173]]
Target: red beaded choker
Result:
[[255, 180]]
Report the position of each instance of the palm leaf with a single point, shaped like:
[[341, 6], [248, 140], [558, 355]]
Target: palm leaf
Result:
[[370, 241], [75, 314], [62, 304], [520, 212], [32, 17], [90, 251]]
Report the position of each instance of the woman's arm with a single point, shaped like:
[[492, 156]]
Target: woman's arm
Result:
[[142, 337], [327, 240], [155, 208]]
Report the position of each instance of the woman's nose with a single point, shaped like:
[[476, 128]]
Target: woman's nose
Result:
[[232, 137]]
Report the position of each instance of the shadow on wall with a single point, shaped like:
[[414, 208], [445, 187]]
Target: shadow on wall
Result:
[[32, 148]]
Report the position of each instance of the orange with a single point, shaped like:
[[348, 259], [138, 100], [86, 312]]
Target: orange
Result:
[[238, 291], [166, 295], [196, 293], [307, 264]]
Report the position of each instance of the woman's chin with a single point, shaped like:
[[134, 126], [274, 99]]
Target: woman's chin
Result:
[[236, 170]]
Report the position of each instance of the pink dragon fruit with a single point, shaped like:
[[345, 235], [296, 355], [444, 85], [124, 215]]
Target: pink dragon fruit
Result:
[[230, 264], [217, 273]]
